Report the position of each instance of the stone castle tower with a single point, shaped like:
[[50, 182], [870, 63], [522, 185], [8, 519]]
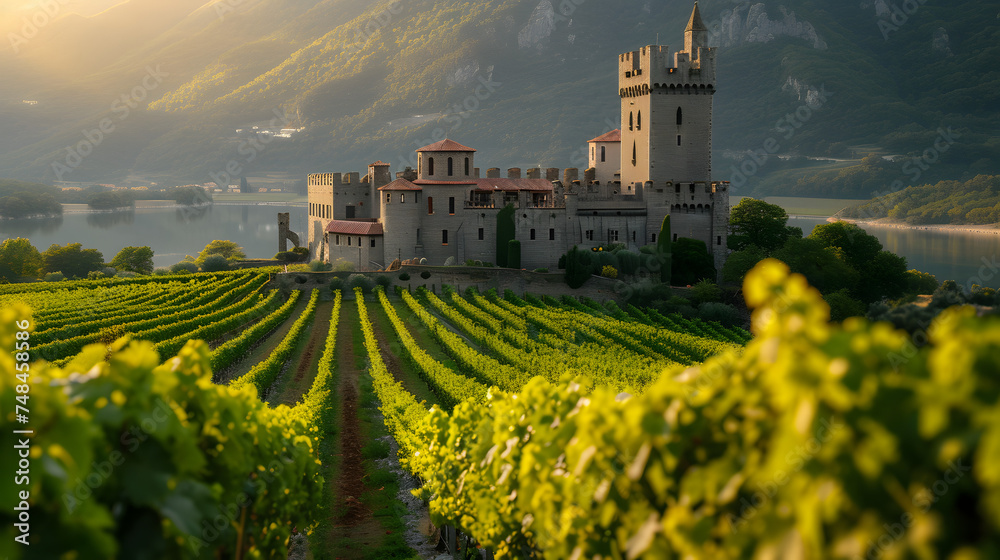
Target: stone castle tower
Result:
[[666, 134], [658, 163]]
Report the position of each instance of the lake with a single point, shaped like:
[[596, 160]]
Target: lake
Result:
[[171, 232]]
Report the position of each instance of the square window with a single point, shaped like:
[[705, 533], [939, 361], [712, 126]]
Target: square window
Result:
[[481, 234], [552, 234]]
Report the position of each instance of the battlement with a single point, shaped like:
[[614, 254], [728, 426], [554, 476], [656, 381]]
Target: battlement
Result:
[[334, 179]]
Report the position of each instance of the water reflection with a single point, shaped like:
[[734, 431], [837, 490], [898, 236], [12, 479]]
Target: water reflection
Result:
[[25, 227], [108, 220], [187, 214]]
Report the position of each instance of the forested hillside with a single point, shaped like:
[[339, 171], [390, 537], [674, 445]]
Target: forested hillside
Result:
[[525, 82]]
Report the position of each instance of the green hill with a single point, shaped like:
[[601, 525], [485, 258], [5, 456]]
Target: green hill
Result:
[[376, 81]]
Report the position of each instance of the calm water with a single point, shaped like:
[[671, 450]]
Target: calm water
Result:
[[965, 257], [172, 233]]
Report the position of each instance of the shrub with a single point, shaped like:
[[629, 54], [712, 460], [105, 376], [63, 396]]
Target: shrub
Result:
[[609, 272], [320, 266], [425, 274], [405, 276], [842, 305], [54, 277], [707, 291], [302, 252], [161, 271], [919, 283], [215, 263], [341, 265], [336, 284], [383, 281], [541, 270], [126, 274], [184, 267], [360, 281], [95, 275], [286, 256], [719, 312]]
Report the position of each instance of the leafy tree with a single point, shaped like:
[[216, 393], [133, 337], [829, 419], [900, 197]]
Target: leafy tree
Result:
[[842, 305], [859, 246], [110, 201], [505, 233], [184, 267], [214, 263], [884, 277], [707, 291], [664, 248], [739, 263], [72, 260], [820, 264], [19, 259], [692, 262], [27, 204], [755, 222], [229, 250], [918, 283], [134, 259]]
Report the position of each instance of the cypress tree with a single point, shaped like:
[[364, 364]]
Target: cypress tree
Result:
[[664, 249], [505, 233], [513, 254]]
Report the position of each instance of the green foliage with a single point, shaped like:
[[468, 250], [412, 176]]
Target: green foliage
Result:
[[320, 266], [680, 470], [918, 283], [383, 281], [755, 222], [609, 271], [505, 233], [184, 267], [579, 267], [227, 249], [691, 262], [214, 263], [72, 260], [665, 251], [975, 201], [820, 264], [111, 201], [881, 274], [706, 291], [138, 452], [541, 270], [134, 259], [513, 254], [721, 313], [19, 259], [628, 262], [404, 276], [360, 281], [842, 305], [287, 256], [28, 204], [55, 277], [425, 274]]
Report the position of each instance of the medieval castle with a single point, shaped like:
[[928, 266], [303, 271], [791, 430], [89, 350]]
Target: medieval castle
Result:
[[659, 164]]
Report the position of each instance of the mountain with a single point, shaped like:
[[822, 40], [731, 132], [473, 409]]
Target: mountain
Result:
[[525, 82]]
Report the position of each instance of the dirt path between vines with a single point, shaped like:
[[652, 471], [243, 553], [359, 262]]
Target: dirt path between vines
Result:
[[353, 527], [303, 370]]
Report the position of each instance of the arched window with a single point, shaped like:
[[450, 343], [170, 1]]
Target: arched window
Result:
[[402, 197], [430, 204], [633, 153], [602, 153], [451, 167], [430, 166], [638, 121], [678, 139], [466, 167], [680, 116], [630, 121]]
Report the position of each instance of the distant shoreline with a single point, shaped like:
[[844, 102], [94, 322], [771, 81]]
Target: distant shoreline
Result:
[[982, 229]]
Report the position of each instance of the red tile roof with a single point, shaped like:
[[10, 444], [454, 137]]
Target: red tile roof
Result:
[[613, 136], [379, 163], [436, 182], [354, 228], [445, 145], [400, 185]]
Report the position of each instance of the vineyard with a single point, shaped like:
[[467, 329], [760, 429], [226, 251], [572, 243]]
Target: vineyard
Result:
[[208, 416]]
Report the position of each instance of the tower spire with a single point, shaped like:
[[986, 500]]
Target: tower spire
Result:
[[695, 23]]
